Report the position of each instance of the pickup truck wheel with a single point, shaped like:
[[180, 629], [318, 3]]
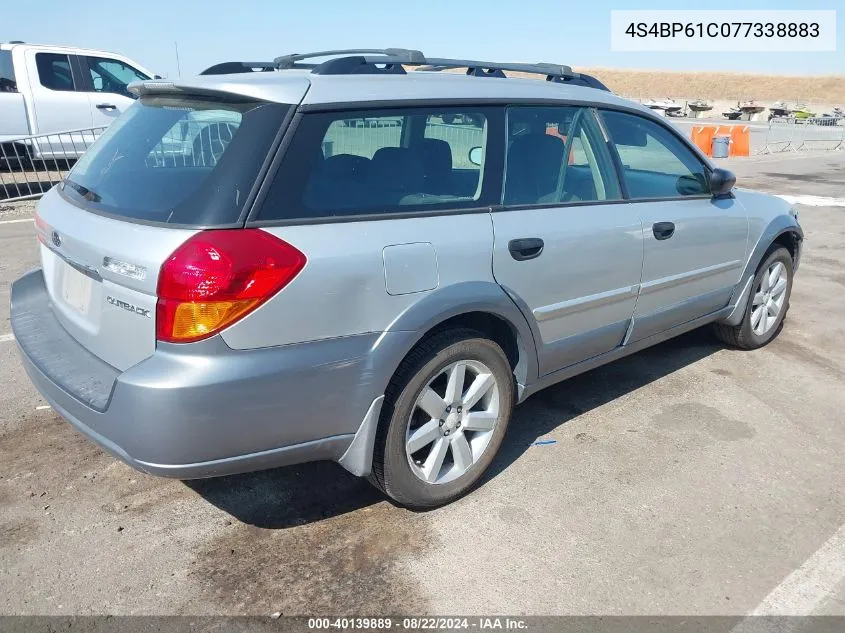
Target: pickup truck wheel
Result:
[[446, 411], [767, 305]]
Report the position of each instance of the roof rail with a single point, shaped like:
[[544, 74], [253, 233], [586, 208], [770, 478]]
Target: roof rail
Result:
[[556, 73], [484, 69], [230, 68], [401, 55], [394, 60]]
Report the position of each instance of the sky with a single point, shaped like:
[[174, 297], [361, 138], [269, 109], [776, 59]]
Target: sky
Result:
[[570, 32]]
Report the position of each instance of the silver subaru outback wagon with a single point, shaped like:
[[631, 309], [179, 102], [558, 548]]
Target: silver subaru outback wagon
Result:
[[368, 261]]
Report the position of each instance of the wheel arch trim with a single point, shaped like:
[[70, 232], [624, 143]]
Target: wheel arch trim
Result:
[[411, 326], [781, 225], [463, 299]]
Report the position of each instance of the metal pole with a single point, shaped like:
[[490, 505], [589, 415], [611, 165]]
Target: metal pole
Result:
[[178, 66], [766, 149]]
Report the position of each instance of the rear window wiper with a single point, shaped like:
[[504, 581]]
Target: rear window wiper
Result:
[[84, 192]]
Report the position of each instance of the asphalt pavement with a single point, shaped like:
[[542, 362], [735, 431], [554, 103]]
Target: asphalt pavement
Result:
[[686, 479]]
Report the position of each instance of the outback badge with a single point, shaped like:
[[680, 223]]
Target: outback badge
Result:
[[128, 307]]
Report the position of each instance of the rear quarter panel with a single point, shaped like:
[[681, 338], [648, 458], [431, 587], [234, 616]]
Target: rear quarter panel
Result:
[[342, 290]]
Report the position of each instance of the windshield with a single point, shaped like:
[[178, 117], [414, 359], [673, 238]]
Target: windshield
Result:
[[188, 161]]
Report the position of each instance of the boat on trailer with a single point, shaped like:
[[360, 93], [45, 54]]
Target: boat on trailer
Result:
[[751, 107], [700, 105], [779, 110], [667, 106]]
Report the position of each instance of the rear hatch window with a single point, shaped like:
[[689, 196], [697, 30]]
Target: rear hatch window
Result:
[[187, 161]]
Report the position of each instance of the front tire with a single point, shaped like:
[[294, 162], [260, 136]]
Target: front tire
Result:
[[767, 306], [445, 414]]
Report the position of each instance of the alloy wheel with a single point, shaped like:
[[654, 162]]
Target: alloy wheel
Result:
[[452, 421], [769, 298]]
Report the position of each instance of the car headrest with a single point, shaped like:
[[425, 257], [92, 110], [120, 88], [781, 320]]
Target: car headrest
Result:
[[533, 168], [396, 169]]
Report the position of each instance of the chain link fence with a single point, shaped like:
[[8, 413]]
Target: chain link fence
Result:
[[795, 135], [31, 165]]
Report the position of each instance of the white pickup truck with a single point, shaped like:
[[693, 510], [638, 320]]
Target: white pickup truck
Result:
[[51, 89]]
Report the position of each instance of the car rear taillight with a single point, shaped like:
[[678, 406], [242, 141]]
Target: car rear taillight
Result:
[[217, 277], [41, 228]]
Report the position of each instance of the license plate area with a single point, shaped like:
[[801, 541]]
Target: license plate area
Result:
[[76, 289]]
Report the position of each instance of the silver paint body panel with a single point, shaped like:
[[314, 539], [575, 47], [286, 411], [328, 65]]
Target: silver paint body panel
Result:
[[117, 336], [410, 268], [703, 258], [586, 279], [303, 376], [341, 291]]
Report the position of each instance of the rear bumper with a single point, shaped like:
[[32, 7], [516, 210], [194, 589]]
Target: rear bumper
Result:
[[203, 409]]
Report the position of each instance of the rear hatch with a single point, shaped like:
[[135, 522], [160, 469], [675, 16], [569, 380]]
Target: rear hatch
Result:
[[168, 167]]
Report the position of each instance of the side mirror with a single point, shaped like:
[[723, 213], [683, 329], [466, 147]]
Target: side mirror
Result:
[[476, 154], [722, 182]]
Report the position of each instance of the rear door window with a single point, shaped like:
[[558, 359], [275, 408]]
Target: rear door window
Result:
[[655, 162], [181, 160], [7, 73], [382, 162], [557, 155], [111, 75], [54, 71]]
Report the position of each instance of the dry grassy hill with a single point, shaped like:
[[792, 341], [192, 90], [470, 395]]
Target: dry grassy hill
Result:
[[723, 89], [722, 86]]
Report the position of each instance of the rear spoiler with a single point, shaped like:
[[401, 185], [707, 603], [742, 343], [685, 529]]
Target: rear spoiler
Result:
[[155, 87], [231, 68]]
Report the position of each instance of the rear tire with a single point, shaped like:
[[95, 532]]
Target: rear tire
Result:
[[767, 305], [445, 414]]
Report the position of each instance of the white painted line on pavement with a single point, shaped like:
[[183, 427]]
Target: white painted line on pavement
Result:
[[805, 588], [814, 201], [5, 338], [19, 221]]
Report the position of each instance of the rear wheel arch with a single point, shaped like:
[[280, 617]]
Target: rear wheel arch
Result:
[[479, 305], [493, 326], [391, 468]]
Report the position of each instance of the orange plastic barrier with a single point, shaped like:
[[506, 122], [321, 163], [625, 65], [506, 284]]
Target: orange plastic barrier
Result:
[[740, 139], [702, 136]]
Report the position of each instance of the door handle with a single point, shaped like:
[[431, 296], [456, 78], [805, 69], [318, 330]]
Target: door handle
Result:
[[525, 248], [106, 106], [663, 230]]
